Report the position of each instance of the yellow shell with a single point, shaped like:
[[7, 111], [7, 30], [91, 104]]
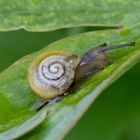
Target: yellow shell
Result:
[[52, 73]]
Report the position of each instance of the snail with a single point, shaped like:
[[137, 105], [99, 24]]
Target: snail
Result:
[[52, 73]]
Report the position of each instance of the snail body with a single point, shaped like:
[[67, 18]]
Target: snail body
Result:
[[52, 73]]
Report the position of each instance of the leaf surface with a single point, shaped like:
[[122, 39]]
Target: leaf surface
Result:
[[17, 95], [45, 15]]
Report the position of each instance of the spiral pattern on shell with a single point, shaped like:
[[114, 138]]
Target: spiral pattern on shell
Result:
[[52, 68], [51, 76], [55, 72]]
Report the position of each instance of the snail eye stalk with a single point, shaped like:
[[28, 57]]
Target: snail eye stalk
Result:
[[104, 49]]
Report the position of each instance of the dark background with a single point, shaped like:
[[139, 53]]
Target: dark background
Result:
[[115, 115]]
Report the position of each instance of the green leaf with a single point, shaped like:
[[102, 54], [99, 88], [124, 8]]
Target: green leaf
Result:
[[18, 98], [115, 115], [45, 15], [25, 127]]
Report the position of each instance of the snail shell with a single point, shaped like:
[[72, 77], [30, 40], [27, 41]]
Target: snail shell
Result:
[[52, 73]]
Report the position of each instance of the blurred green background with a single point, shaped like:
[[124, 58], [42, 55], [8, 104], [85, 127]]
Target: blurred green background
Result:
[[115, 115]]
